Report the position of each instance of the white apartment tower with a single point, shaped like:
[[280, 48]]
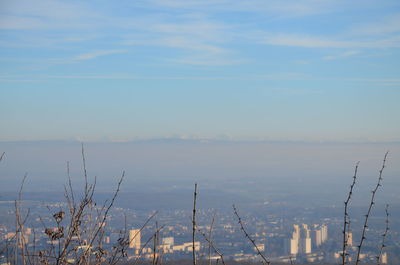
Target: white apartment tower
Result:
[[134, 239], [319, 234], [300, 243]]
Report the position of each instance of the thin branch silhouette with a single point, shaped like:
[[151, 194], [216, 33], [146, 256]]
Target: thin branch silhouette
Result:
[[194, 224], [211, 244], [346, 222], [370, 208], [383, 244], [266, 261], [210, 238]]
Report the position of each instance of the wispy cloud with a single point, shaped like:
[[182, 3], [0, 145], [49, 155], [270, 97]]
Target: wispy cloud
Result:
[[386, 25], [92, 55], [297, 91], [383, 33], [342, 55], [180, 42], [95, 54], [44, 14], [200, 32], [285, 76], [282, 8], [197, 41], [202, 27], [308, 41], [207, 60]]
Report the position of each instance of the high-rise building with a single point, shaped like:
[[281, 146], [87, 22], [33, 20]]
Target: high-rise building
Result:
[[296, 233], [317, 237], [134, 239], [319, 234], [324, 231], [384, 258], [305, 244], [300, 243], [305, 241], [293, 246], [294, 241]]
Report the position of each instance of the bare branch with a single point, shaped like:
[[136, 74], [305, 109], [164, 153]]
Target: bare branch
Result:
[[84, 167], [145, 244], [211, 244], [370, 208], [210, 238], [346, 223], [102, 222], [194, 223], [379, 257], [249, 238]]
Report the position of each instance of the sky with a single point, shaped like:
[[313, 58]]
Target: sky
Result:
[[240, 70]]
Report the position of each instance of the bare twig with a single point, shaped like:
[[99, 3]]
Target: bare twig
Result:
[[266, 261], [194, 223], [143, 226], [123, 243], [210, 238], [70, 187], [19, 223], [155, 245], [84, 167], [379, 257], [145, 244], [370, 208], [105, 215], [346, 222], [211, 244]]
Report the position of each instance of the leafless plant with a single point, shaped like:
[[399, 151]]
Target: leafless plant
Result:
[[78, 232], [379, 257], [372, 202], [253, 242], [346, 222]]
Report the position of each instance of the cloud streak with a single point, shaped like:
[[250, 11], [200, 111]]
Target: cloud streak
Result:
[[96, 54], [308, 41], [342, 55], [386, 25]]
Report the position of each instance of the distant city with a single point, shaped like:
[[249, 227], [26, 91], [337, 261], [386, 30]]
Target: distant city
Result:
[[291, 204], [283, 236]]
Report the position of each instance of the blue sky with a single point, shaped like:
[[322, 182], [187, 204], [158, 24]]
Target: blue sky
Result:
[[274, 70]]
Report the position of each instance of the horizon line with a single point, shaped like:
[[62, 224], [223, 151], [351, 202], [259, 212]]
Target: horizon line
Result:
[[203, 140]]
